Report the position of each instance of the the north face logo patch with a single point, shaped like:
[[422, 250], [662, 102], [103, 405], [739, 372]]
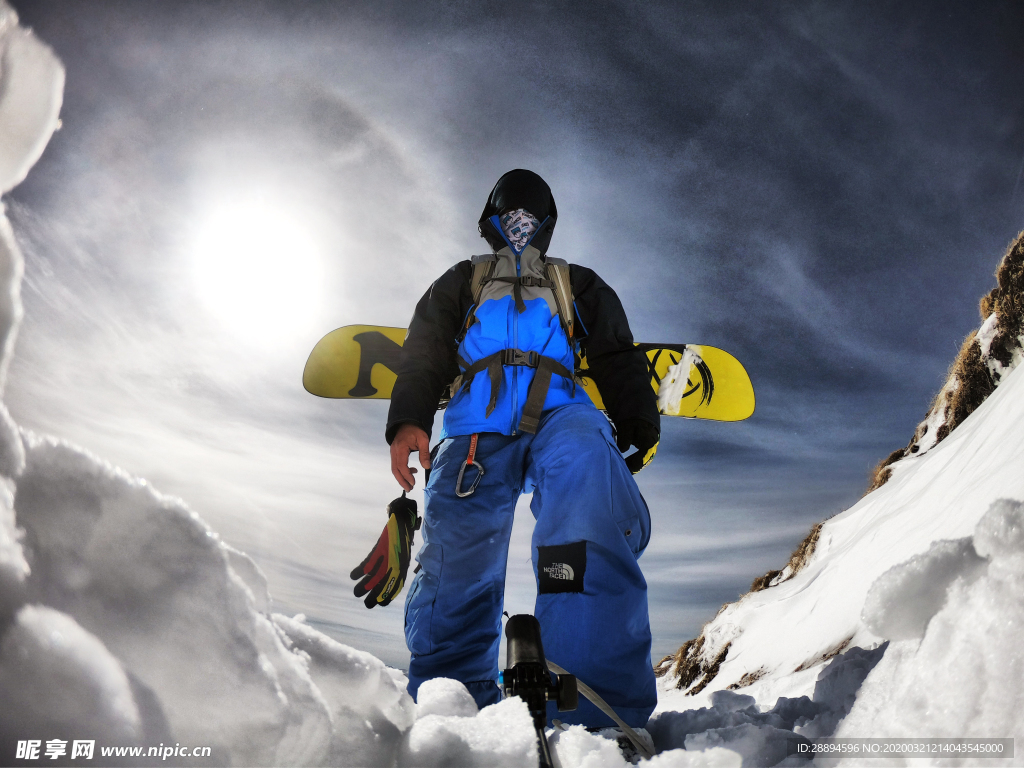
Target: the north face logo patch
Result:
[[560, 571], [561, 568]]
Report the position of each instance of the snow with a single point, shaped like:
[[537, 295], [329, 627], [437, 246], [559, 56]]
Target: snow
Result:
[[64, 680], [32, 84], [27, 67], [13, 567], [145, 575], [442, 696], [931, 562], [903, 600], [673, 384], [500, 736], [734, 722], [789, 630], [124, 618], [970, 651], [986, 335], [366, 700]]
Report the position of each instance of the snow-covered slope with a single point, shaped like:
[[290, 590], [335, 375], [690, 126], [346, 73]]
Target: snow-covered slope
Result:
[[783, 635], [932, 560]]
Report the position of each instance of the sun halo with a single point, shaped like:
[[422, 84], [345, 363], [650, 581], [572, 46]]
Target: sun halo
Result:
[[258, 270]]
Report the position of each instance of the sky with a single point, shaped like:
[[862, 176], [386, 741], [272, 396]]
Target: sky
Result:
[[822, 189]]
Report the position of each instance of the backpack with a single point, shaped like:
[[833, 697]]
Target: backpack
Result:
[[557, 272]]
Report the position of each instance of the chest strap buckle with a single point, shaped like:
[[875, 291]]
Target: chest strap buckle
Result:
[[519, 357]]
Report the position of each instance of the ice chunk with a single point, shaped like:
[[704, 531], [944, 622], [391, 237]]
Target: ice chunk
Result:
[[575, 746], [672, 730]]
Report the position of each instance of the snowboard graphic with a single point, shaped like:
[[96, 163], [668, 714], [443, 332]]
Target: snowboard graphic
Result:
[[691, 380]]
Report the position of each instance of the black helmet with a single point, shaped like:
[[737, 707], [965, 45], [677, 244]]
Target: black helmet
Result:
[[521, 189]]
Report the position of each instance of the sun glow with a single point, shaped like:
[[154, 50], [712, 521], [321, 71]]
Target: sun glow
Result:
[[258, 270]]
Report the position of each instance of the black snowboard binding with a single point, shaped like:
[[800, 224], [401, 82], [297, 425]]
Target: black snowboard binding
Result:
[[527, 677]]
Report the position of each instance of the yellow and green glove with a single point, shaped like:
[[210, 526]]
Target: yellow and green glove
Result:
[[382, 573]]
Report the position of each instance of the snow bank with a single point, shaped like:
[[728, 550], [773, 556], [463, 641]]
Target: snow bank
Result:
[[13, 567], [903, 600], [962, 672], [65, 682], [31, 92], [31, 89], [32, 85], [159, 635], [144, 574], [369, 707], [136, 628]]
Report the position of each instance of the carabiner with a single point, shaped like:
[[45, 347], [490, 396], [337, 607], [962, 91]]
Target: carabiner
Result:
[[470, 460], [476, 482]]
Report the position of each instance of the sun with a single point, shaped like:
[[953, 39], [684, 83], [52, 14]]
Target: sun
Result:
[[257, 269]]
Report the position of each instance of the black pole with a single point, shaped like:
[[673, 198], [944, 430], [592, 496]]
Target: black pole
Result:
[[527, 677]]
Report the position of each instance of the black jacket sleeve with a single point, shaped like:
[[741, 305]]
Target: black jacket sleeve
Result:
[[617, 367], [428, 355]]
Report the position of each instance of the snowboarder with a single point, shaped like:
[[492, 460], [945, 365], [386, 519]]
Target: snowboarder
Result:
[[518, 422]]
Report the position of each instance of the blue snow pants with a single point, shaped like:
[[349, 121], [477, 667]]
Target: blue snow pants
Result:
[[592, 524]]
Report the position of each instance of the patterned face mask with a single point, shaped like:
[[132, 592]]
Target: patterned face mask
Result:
[[519, 226]]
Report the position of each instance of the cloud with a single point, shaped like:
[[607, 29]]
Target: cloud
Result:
[[818, 191]]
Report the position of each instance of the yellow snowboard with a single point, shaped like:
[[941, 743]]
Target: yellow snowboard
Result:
[[691, 380]]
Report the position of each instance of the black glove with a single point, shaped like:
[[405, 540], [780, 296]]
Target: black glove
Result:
[[383, 571], [644, 436]]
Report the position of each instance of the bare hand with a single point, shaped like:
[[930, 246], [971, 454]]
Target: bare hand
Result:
[[409, 438]]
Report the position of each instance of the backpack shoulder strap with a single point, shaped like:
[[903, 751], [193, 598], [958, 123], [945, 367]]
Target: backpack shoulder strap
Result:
[[483, 268], [558, 273]]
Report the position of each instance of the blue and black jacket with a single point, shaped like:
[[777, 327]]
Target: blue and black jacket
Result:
[[516, 322]]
